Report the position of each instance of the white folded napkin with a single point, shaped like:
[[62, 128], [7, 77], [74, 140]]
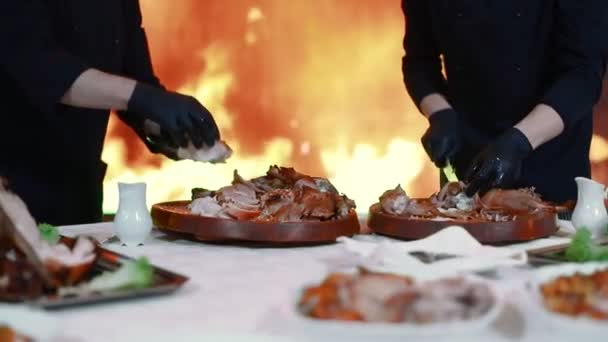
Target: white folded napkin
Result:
[[384, 255]]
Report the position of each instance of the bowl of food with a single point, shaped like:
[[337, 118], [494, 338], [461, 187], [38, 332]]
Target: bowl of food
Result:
[[572, 296], [376, 304]]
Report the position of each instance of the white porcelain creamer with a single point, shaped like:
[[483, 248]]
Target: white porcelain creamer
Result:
[[132, 222], [590, 210]]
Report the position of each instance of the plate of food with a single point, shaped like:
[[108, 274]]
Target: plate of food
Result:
[[581, 248], [499, 216], [572, 296], [41, 268], [366, 303], [281, 207]]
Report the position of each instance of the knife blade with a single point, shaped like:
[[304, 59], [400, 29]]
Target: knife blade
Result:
[[449, 173]]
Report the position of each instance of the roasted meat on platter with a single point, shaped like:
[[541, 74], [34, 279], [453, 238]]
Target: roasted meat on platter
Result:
[[452, 203], [387, 298], [29, 264], [578, 295], [282, 195]]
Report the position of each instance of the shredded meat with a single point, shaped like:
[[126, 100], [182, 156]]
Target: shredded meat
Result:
[[282, 195], [376, 297], [515, 201], [452, 203], [578, 295]]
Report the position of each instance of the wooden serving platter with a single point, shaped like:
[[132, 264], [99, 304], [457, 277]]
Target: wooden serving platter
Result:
[[175, 217], [534, 226]]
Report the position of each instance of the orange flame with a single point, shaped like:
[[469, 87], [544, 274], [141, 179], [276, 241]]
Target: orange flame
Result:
[[314, 85]]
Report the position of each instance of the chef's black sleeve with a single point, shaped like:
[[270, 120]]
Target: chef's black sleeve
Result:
[[579, 61], [421, 64], [31, 57], [137, 61]]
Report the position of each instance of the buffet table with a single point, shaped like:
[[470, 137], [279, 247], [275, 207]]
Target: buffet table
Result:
[[244, 293]]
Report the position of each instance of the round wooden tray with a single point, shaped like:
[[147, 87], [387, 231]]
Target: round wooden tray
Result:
[[533, 226], [174, 217]]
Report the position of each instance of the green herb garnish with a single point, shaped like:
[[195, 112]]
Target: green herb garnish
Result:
[[582, 248], [49, 233], [131, 275]]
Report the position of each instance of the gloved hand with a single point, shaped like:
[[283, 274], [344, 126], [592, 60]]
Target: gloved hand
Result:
[[446, 135], [182, 117], [155, 144], [498, 165]]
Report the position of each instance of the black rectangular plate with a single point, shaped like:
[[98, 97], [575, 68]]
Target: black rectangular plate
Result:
[[164, 282]]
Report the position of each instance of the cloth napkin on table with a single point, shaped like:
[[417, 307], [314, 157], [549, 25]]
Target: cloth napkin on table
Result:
[[463, 254]]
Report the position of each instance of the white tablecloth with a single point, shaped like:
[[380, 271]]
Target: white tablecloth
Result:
[[240, 290]]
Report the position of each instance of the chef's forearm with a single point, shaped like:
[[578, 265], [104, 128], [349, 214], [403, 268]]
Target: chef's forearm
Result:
[[433, 103], [541, 125], [99, 90]]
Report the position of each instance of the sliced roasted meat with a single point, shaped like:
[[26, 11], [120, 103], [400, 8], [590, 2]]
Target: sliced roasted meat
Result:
[[319, 205], [374, 297], [282, 195], [380, 297], [514, 201], [218, 153], [205, 206], [452, 196], [394, 201], [49, 260], [238, 195]]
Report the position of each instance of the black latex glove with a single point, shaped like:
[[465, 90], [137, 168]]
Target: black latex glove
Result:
[[154, 144], [498, 165], [180, 116], [446, 135]]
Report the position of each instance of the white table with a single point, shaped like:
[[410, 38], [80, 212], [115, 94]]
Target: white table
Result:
[[238, 290]]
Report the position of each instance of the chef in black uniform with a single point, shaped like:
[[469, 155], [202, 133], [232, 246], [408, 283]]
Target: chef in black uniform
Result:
[[521, 78], [59, 70]]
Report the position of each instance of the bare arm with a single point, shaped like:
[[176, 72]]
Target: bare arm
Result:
[[541, 125], [433, 103], [99, 90]]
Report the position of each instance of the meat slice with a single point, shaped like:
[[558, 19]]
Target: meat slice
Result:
[[344, 205], [18, 225], [239, 195], [279, 205], [379, 297], [205, 206], [306, 182], [218, 153], [514, 201], [316, 204], [394, 201], [258, 187]]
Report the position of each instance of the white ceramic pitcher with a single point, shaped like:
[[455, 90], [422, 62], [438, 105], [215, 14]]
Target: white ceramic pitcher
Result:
[[590, 210], [132, 222]]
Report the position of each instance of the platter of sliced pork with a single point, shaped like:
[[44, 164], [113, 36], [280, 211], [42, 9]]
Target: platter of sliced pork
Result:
[[496, 217], [283, 206]]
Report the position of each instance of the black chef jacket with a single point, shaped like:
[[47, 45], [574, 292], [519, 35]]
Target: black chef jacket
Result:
[[51, 153], [501, 59]]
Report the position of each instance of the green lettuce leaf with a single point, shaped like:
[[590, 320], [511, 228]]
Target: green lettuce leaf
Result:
[[582, 248], [131, 275], [49, 233]]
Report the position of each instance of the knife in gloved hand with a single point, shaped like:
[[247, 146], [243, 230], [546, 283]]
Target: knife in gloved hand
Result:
[[449, 173]]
